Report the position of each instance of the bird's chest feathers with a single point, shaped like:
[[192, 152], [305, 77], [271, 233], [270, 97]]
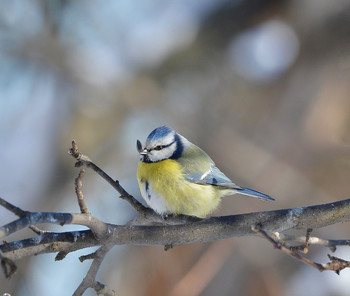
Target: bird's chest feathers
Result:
[[159, 183], [165, 189], [161, 175]]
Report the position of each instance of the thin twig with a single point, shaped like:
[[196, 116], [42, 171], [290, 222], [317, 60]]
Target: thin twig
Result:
[[288, 241], [20, 213], [90, 279], [17, 211], [85, 160], [305, 246], [8, 266], [88, 256], [61, 255], [79, 192], [336, 264], [35, 218], [98, 227], [37, 230]]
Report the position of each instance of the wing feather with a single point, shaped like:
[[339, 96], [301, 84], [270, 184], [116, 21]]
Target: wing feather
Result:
[[199, 168]]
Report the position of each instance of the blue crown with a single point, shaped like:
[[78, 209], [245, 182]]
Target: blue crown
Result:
[[159, 133]]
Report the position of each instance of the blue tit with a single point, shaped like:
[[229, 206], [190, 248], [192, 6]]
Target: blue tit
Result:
[[177, 177]]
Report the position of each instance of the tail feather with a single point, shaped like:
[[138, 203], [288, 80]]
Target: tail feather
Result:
[[250, 192]]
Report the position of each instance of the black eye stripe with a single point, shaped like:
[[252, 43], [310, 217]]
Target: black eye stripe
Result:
[[160, 147]]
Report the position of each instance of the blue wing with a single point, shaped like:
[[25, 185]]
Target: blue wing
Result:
[[212, 176], [199, 168], [217, 178]]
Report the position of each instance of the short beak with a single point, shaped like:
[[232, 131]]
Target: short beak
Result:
[[144, 152]]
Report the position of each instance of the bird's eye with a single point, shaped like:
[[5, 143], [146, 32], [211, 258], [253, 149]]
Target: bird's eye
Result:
[[159, 147]]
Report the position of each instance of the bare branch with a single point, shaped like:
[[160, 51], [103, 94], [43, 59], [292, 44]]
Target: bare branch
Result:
[[336, 264], [98, 227], [34, 219], [84, 160], [90, 279], [169, 231], [88, 256], [205, 230], [20, 213], [290, 240], [17, 211], [8, 266], [78, 191], [51, 242], [37, 230], [305, 246]]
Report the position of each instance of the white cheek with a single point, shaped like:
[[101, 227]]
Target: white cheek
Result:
[[161, 154]]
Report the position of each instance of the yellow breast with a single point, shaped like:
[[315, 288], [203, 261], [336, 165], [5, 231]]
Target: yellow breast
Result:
[[165, 189]]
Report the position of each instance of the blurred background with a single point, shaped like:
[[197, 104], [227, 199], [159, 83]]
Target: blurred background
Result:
[[262, 86]]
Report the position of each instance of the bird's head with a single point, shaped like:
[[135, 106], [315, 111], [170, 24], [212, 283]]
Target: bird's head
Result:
[[162, 143]]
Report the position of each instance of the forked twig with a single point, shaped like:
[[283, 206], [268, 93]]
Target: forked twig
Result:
[[336, 264], [84, 160], [8, 266], [89, 280]]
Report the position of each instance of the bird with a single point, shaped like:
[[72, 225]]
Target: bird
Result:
[[177, 177]]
